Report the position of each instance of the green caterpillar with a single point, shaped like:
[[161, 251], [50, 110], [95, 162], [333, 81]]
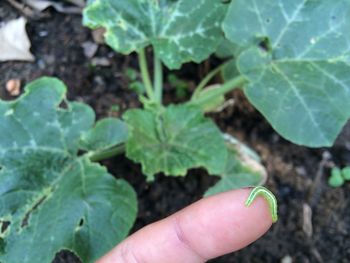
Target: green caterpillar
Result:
[[270, 198]]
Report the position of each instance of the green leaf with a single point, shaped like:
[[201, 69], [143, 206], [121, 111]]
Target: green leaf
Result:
[[106, 133], [336, 179], [229, 50], [179, 30], [181, 86], [174, 140], [297, 59], [51, 198], [243, 169], [346, 173], [230, 70]]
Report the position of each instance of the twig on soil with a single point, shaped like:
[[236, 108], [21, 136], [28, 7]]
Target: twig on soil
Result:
[[307, 220], [314, 195], [315, 191], [317, 255]]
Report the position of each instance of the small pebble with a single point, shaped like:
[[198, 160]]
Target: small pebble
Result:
[[13, 86], [43, 33], [287, 259], [90, 49], [100, 61], [49, 59]]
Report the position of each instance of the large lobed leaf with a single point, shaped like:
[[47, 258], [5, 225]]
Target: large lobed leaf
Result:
[[174, 140], [300, 78], [179, 30], [51, 198]]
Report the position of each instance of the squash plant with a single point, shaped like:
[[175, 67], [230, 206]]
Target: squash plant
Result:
[[291, 58]]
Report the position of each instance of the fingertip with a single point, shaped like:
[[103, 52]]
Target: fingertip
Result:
[[209, 228], [259, 207], [224, 223]]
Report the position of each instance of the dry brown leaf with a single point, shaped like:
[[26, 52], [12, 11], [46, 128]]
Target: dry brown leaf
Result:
[[14, 42], [98, 35], [248, 157]]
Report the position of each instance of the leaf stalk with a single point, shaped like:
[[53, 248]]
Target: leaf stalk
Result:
[[158, 79], [207, 78], [108, 153], [145, 73], [222, 90]]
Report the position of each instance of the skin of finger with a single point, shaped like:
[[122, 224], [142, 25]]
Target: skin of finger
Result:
[[209, 228]]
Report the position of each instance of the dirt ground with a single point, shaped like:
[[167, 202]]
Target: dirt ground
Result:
[[297, 175]]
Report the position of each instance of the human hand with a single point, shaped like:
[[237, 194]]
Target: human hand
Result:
[[207, 229]]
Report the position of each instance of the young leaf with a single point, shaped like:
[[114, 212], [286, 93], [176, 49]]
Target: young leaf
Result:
[[106, 133], [215, 102], [243, 169], [297, 59], [230, 70], [229, 50], [346, 173], [180, 31], [52, 199], [174, 140], [336, 179]]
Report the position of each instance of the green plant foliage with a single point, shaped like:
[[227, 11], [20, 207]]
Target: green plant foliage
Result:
[[174, 140], [51, 198], [227, 49], [212, 104], [346, 173], [134, 83], [297, 59], [336, 179], [243, 169], [230, 70], [180, 31], [339, 176], [230, 51], [106, 134], [181, 86]]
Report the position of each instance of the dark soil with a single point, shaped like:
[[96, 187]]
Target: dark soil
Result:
[[297, 175]]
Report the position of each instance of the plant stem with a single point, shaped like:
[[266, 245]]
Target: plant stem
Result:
[[108, 153], [145, 73], [158, 79], [207, 78], [224, 88]]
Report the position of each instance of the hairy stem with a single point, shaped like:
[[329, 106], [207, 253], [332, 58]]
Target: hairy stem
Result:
[[108, 153], [222, 90], [158, 79], [207, 78], [145, 73]]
